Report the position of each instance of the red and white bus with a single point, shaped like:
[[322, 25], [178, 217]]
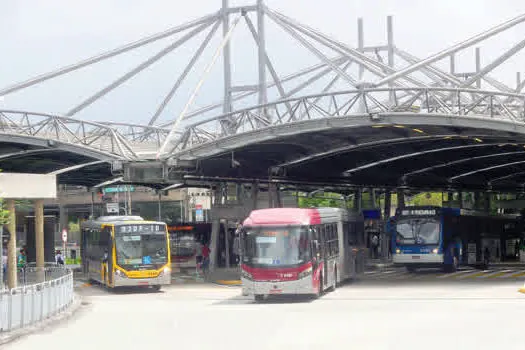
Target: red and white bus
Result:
[[300, 251]]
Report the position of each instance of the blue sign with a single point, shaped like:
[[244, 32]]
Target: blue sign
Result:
[[146, 259]]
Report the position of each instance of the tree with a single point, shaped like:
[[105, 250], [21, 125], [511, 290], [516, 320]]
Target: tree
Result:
[[4, 213]]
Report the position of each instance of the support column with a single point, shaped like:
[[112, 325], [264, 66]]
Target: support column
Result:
[[358, 199], [388, 204], [11, 246], [254, 195], [39, 238], [373, 199], [227, 106], [487, 202], [63, 220], [400, 198], [214, 242]]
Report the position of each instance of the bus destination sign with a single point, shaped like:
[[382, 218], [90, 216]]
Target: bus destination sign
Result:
[[419, 212], [141, 228]]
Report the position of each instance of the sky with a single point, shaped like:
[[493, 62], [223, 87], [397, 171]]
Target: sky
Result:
[[38, 36]]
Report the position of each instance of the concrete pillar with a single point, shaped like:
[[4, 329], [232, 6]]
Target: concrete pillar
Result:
[[11, 246], [63, 222], [39, 238], [460, 197], [214, 242]]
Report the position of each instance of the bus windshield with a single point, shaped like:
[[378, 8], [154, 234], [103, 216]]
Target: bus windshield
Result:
[[141, 244], [276, 246], [417, 231]]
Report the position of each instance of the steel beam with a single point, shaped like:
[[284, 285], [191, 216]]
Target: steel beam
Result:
[[460, 161], [137, 69], [458, 47], [186, 71], [173, 131], [499, 166], [107, 55], [417, 154]]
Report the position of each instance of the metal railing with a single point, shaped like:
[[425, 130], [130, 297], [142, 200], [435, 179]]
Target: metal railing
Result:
[[43, 293]]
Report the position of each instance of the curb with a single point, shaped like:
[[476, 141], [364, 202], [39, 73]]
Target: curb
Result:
[[42, 325]]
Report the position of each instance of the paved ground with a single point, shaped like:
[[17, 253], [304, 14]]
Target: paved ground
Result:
[[383, 313], [498, 273]]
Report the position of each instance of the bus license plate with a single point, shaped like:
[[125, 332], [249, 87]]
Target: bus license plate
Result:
[[415, 257], [143, 283], [276, 291]]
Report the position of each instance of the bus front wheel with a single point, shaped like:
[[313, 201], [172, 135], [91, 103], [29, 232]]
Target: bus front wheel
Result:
[[157, 288], [259, 297]]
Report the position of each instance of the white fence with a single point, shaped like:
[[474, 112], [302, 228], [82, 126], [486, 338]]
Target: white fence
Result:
[[34, 302]]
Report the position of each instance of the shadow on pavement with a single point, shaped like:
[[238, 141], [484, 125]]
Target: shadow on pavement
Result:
[[270, 300]]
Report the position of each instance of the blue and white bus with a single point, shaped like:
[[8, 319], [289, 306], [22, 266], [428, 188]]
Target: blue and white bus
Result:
[[447, 238]]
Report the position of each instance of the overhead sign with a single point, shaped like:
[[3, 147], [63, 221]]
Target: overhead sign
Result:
[[119, 189], [419, 212], [64, 235], [112, 207]]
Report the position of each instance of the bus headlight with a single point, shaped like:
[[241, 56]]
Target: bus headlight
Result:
[[246, 275], [120, 274], [398, 251], [435, 251], [305, 273], [167, 270]]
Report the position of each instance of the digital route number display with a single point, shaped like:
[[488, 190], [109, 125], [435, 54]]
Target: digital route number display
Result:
[[141, 229], [419, 212]]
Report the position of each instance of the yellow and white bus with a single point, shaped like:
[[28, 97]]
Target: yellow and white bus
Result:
[[126, 251]]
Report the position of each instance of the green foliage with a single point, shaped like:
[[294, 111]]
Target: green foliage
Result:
[[4, 213], [322, 200], [76, 261], [74, 226], [427, 198]]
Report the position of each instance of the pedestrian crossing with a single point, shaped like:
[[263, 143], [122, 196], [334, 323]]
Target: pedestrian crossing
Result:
[[467, 274]]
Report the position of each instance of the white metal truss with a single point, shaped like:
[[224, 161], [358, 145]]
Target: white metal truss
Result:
[[348, 79], [109, 140]]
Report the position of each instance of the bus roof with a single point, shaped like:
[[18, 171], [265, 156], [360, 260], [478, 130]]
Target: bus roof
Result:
[[294, 216]]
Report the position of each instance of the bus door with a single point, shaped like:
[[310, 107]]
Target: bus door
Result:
[[106, 244], [317, 255]]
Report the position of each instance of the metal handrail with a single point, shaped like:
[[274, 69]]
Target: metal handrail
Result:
[[44, 292]]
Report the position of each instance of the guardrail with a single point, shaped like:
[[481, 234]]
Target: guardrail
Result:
[[35, 301]]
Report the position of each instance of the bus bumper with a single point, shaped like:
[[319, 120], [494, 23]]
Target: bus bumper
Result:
[[301, 286], [418, 259], [161, 280]]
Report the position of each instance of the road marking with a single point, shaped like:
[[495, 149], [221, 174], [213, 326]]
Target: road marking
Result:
[[518, 274], [453, 275]]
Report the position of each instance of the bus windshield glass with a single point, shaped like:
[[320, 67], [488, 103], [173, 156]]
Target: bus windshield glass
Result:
[[419, 231], [276, 246], [141, 244]]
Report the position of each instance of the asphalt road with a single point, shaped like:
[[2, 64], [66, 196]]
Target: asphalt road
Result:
[[380, 314]]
